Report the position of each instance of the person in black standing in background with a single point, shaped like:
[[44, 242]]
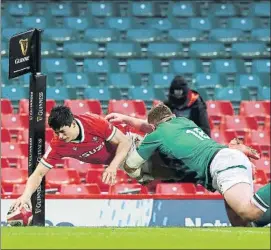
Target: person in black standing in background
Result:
[[186, 102]]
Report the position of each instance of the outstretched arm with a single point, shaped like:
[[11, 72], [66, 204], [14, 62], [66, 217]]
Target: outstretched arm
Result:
[[123, 144], [32, 184], [137, 123]]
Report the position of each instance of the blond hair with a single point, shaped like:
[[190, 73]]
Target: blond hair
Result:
[[158, 113]]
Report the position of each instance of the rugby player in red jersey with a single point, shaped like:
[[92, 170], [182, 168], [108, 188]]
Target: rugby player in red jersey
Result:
[[88, 138]]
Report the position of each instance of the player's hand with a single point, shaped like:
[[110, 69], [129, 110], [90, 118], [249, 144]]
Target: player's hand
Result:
[[20, 202], [248, 151], [109, 175], [115, 117]]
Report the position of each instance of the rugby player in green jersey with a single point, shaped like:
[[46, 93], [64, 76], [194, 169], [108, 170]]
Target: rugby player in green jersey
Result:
[[215, 166]]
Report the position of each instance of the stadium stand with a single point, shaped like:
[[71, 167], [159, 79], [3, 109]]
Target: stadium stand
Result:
[[124, 188], [120, 56], [84, 106], [95, 175], [176, 188], [80, 189], [57, 177], [4, 162], [81, 167], [11, 176]]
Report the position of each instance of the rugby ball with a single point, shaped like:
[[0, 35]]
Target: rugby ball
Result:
[[19, 217]]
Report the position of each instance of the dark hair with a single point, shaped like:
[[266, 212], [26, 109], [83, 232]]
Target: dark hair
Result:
[[158, 113], [177, 83], [60, 116]]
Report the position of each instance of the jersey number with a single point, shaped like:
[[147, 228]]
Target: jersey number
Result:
[[198, 133]]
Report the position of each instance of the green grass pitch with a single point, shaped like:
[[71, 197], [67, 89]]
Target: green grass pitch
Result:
[[135, 238]]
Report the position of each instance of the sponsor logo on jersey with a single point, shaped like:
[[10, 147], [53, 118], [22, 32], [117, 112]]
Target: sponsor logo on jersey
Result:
[[92, 151]]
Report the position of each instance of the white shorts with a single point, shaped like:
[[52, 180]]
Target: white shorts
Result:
[[135, 140], [230, 167], [144, 173]]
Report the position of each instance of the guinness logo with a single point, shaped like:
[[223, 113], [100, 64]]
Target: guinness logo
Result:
[[24, 46]]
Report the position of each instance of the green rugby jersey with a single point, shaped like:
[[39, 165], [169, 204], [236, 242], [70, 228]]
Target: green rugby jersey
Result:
[[181, 139]]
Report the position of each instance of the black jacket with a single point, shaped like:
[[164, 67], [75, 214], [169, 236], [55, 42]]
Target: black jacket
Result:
[[194, 108]]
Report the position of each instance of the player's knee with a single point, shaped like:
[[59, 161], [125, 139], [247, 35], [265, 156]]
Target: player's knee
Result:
[[250, 213]]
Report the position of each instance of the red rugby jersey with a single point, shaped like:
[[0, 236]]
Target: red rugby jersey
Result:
[[94, 146]]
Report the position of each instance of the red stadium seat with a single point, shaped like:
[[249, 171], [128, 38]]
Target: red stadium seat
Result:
[[19, 188], [264, 150], [259, 137], [201, 190], [14, 160], [95, 176], [6, 107], [176, 188], [255, 109], [212, 124], [24, 148], [81, 167], [59, 176], [11, 176], [4, 163], [25, 121], [260, 177], [12, 122], [24, 106], [267, 105], [217, 109], [215, 120], [5, 135], [78, 189], [238, 123], [14, 150], [264, 165], [267, 123], [223, 137], [23, 135], [128, 188], [135, 108], [84, 106], [22, 163]]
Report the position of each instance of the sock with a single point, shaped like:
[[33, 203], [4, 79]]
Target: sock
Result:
[[262, 200]]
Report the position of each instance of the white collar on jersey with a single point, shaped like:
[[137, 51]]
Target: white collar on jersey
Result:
[[81, 130]]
